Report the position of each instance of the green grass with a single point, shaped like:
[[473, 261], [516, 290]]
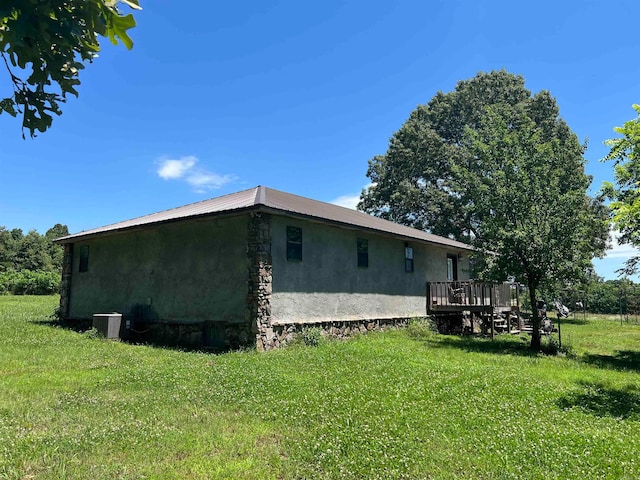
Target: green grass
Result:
[[401, 404]]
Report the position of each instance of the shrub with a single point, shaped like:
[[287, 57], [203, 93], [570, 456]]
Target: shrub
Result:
[[311, 336], [92, 334], [56, 315], [422, 327], [27, 282]]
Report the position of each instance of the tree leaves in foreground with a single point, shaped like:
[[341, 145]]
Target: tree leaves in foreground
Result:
[[491, 165], [625, 194], [45, 42]]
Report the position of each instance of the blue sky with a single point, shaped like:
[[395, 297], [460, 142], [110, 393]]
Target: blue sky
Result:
[[216, 97]]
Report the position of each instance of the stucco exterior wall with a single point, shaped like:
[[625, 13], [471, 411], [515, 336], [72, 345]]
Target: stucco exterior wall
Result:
[[183, 272], [328, 285]]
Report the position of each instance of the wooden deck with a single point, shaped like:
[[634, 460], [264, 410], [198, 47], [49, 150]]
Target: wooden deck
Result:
[[470, 296]]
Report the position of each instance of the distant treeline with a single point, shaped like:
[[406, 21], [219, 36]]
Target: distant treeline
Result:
[[613, 296], [30, 264], [597, 296]]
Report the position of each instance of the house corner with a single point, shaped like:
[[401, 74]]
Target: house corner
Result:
[[260, 280]]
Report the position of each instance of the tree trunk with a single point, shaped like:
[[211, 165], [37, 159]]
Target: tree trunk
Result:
[[535, 318]]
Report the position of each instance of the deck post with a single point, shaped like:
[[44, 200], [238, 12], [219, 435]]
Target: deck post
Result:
[[520, 320], [491, 317], [428, 299]]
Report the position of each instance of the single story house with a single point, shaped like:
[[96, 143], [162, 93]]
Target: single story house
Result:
[[254, 267]]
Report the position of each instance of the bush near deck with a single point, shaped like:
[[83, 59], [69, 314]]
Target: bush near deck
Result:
[[399, 404]]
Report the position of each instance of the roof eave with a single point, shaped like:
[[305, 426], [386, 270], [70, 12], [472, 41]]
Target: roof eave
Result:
[[145, 226], [288, 213]]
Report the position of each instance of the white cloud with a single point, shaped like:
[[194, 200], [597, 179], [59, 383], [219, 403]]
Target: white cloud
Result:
[[202, 181], [170, 168], [348, 201], [620, 251], [186, 169]]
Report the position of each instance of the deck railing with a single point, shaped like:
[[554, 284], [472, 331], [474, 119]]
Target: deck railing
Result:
[[472, 294]]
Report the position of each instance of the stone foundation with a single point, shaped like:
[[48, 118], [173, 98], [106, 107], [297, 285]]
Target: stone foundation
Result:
[[217, 336], [284, 334], [213, 336]]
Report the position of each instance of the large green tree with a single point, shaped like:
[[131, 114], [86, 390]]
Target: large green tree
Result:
[[417, 165], [10, 241], [32, 251], [625, 193], [45, 42], [492, 165], [56, 252]]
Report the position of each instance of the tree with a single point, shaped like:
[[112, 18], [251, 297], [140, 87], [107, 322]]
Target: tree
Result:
[[56, 252], [612, 296], [9, 246], [494, 166], [49, 41], [417, 165], [625, 194], [32, 251]]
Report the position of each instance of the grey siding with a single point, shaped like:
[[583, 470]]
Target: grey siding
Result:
[[327, 285], [191, 271]]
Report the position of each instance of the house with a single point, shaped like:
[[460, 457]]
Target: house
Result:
[[254, 266]]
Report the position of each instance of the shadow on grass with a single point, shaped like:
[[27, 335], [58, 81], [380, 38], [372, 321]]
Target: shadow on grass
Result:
[[78, 327], [621, 360], [571, 321], [602, 401], [84, 327], [502, 344]]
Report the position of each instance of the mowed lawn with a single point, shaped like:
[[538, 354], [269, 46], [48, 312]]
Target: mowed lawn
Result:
[[400, 404]]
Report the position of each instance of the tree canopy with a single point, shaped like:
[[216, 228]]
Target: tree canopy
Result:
[[31, 251], [45, 42], [494, 166], [32, 263], [625, 193]]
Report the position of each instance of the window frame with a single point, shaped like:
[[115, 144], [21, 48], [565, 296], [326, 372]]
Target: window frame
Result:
[[83, 261], [362, 250], [294, 243], [408, 258]]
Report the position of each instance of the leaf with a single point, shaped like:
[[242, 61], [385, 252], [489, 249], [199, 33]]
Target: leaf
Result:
[[117, 28], [8, 105], [132, 4]]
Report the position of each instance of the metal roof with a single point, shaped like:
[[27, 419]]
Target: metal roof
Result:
[[269, 199]]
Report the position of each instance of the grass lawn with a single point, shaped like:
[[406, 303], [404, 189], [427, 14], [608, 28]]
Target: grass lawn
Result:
[[400, 404]]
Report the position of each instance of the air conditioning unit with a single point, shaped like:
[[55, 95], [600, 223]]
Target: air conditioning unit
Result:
[[108, 324]]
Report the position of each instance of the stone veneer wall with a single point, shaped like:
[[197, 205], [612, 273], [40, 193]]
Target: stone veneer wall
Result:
[[336, 329], [260, 280], [65, 284], [207, 335]]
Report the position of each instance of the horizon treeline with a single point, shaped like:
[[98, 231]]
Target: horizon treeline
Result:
[[30, 264]]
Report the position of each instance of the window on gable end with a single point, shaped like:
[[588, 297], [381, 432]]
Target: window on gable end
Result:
[[363, 252], [294, 244], [84, 259]]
